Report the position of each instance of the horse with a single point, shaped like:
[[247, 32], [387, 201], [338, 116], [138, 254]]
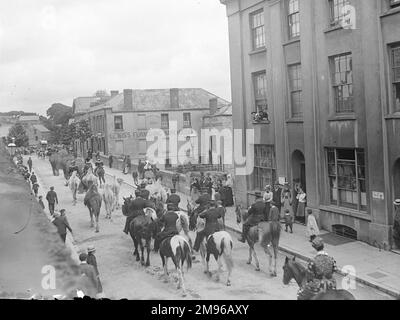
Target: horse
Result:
[[220, 245], [295, 270], [88, 179], [116, 187], [93, 201], [142, 229], [109, 200], [268, 232], [177, 248], [73, 184]]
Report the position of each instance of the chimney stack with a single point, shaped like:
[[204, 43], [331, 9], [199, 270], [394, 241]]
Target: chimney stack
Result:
[[114, 93], [213, 102], [128, 99], [174, 98]]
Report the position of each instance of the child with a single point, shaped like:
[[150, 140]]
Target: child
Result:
[[312, 226], [288, 221], [41, 202]]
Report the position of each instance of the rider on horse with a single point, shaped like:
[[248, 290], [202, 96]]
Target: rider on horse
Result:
[[135, 209], [73, 168], [257, 214], [174, 199], [169, 220], [212, 225], [321, 270], [145, 194]]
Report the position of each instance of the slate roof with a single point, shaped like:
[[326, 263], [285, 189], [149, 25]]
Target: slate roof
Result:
[[159, 99], [222, 111], [82, 104]]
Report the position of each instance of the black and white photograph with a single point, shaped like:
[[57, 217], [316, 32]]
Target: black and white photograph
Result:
[[200, 155]]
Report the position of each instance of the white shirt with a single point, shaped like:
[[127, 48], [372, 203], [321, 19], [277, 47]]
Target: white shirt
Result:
[[268, 196], [301, 197]]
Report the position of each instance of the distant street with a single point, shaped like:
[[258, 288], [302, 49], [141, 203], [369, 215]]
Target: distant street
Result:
[[123, 277]]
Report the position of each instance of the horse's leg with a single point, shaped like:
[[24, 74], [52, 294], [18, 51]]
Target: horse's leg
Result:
[[219, 261], [256, 259], [207, 264], [165, 267], [142, 251], [181, 281], [148, 252], [91, 218], [250, 255], [97, 221], [135, 242], [203, 255], [268, 252]]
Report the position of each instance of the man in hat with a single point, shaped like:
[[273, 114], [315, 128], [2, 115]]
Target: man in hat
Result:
[[30, 164], [321, 268], [257, 213], [135, 209], [396, 224], [33, 178], [277, 195], [61, 222], [212, 225], [174, 199], [87, 270], [312, 226], [52, 199], [91, 260], [110, 160], [145, 194], [168, 220]]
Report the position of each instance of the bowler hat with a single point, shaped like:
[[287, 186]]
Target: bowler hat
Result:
[[91, 248], [397, 202]]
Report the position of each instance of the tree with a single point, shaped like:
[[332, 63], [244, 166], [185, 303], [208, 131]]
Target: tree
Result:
[[59, 114], [82, 130], [18, 132]]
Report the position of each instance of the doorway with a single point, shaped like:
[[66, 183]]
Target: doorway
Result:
[[299, 177]]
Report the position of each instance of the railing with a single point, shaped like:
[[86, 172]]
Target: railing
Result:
[[197, 167]]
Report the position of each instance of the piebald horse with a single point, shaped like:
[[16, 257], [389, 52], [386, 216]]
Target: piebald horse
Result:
[[178, 249], [295, 270], [268, 233], [93, 201], [73, 184]]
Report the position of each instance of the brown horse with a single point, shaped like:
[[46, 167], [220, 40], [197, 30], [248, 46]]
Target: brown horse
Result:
[[268, 232], [93, 201], [295, 270]]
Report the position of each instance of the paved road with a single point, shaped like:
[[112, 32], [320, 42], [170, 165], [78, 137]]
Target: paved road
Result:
[[123, 277]]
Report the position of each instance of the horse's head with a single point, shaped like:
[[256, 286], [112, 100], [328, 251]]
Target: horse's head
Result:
[[293, 270], [150, 214]]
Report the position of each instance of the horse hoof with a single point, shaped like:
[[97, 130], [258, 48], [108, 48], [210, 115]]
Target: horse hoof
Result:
[[217, 279], [209, 274], [147, 264], [97, 231], [228, 284], [258, 269], [205, 271], [248, 262]]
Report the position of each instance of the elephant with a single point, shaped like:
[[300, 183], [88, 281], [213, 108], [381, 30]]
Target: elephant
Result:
[[62, 160]]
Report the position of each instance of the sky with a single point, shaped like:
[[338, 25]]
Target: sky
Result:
[[56, 50]]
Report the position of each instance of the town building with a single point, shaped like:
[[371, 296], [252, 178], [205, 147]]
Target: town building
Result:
[[35, 131], [121, 122], [319, 82]]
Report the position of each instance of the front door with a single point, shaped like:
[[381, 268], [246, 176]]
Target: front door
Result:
[[303, 176]]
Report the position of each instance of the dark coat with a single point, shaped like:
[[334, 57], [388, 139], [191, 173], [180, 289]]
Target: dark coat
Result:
[[137, 206], [203, 200], [174, 199], [211, 216], [51, 197], [257, 213], [145, 193], [62, 224], [277, 196], [33, 179], [169, 221]]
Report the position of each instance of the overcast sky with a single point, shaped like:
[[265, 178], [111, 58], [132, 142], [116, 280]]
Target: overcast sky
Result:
[[55, 50]]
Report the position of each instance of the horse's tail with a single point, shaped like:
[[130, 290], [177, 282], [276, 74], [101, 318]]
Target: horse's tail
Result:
[[185, 254], [226, 249]]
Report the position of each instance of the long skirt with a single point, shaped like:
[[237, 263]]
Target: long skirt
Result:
[[228, 197], [301, 209], [396, 234]]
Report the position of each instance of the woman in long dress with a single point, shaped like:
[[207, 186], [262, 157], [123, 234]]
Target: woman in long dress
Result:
[[228, 194], [195, 190], [302, 197], [268, 197]]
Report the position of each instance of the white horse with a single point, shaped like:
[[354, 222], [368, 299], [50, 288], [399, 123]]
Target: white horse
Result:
[[90, 178], [116, 187], [157, 191], [73, 184], [109, 200]]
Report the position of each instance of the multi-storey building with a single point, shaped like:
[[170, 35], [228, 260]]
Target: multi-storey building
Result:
[[327, 74], [35, 131], [120, 122]]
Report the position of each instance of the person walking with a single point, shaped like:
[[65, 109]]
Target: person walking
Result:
[[91, 260], [286, 201], [88, 270], [30, 164], [35, 188], [288, 221], [174, 199], [110, 160], [124, 164], [302, 198], [41, 202], [61, 222], [312, 226], [33, 178], [52, 199], [277, 196], [128, 165], [295, 200]]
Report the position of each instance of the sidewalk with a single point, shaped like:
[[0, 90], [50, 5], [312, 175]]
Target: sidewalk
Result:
[[376, 268]]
